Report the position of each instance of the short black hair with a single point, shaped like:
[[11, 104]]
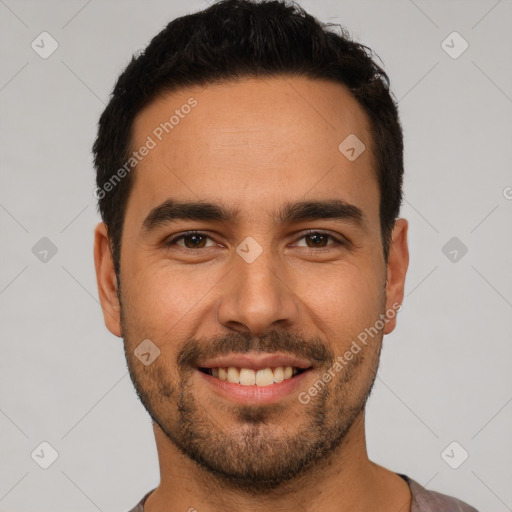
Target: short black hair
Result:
[[235, 39]]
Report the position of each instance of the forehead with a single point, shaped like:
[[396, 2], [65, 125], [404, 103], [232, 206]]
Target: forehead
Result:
[[252, 139]]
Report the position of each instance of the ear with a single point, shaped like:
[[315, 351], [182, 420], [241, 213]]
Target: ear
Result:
[[107, 280], [398, 261]]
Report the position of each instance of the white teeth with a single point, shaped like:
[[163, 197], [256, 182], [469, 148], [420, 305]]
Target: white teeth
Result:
[[264, 377], [279, 374], [249, 377], [233, 375]]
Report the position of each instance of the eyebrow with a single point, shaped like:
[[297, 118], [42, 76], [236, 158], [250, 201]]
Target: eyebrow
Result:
[[172, 210]]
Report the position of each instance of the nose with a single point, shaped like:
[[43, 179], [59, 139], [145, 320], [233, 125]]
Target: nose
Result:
[[257, 296]]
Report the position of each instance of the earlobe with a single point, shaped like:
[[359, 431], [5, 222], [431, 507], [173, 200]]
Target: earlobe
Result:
[[106, 280], [398, 262]]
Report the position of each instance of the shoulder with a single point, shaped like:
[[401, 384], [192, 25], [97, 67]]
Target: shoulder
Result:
[[424, 500], [140, 506]]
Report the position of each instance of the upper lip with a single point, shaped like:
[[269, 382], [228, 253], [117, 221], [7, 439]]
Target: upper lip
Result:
[[256, 361]]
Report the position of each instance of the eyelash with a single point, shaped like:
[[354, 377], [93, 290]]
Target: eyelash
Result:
[[337, 241]]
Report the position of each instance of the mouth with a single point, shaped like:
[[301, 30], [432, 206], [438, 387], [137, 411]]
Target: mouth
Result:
[[253, 377]]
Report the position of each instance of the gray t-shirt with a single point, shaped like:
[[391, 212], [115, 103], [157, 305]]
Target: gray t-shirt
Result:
[[422, 500]]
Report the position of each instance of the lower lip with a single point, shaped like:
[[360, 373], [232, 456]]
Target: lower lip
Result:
[[255, 394]]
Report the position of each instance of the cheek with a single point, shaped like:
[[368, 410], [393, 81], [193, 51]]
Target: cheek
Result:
[[162, 300], [347, 297]]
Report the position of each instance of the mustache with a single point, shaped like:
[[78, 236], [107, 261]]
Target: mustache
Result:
[[275, 341]]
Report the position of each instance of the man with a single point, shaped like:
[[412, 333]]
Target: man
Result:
[[249, 173]]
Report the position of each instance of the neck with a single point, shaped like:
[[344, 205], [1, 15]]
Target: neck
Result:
[[345, 481]]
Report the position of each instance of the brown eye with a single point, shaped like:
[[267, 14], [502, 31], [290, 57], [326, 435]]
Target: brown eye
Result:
[[190, 241], [318, 239]]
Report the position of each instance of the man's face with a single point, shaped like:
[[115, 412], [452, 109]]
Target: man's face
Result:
[[254, 291]]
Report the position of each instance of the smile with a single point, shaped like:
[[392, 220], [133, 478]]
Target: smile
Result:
[[253, 377]]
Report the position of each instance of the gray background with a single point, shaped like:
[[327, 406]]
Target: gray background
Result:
[[445, 372]]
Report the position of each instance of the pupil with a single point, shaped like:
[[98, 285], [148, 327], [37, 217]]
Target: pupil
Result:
[[311, 237], [194, 237]]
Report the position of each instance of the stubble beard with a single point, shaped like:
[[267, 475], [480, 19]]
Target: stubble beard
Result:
[[261, 452]]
